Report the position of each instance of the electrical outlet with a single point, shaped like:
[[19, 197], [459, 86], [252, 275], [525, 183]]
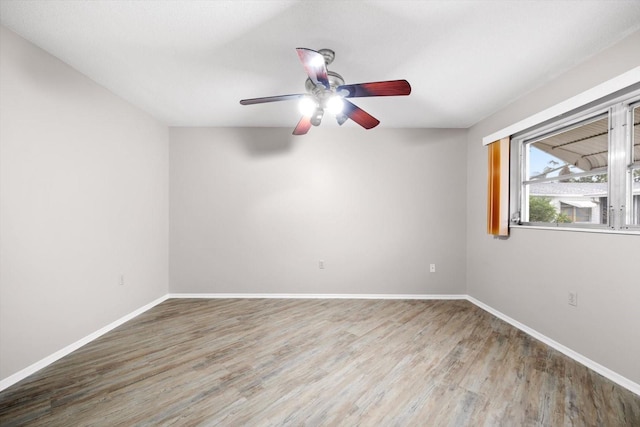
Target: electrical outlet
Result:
[[321, 265], [573, 298], [432, 268]]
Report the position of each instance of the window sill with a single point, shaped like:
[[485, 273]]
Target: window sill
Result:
[[633, 232]]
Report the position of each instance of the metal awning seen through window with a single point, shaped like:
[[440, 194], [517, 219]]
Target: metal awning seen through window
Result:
[[584, 146], [580, 203]]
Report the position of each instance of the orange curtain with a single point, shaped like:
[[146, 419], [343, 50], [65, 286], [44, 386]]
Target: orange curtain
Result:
[[498, 188]]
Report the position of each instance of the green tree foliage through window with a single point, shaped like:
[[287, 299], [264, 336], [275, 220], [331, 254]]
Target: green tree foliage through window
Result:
[[541, 210], [566, 169], [593, 178]]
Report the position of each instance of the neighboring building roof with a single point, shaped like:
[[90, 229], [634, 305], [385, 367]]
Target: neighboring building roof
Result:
[[575, 189]]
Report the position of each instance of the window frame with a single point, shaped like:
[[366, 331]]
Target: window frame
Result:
[[619, 108], [633, 165]]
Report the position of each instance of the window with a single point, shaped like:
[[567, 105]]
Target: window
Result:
[[580, 171]]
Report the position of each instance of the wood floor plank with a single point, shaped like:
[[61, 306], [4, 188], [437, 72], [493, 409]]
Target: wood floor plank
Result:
[[274, 362]]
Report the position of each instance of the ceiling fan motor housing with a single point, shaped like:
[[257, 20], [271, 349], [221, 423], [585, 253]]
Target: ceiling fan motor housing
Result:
[[322, 94], [334, 78]]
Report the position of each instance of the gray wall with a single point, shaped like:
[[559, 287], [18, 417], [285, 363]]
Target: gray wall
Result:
[[84, 185], [254, 210], [528, 276]]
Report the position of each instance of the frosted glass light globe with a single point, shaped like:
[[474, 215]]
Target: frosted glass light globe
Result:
[[307, 106], [335, 105]]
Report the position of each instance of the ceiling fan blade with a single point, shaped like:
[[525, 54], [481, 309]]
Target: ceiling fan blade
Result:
[[314, 65], [263, 100], [386, 88], [303, 126], [359, 116]]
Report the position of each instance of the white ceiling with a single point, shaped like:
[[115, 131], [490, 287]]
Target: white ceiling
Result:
[[188, 63]]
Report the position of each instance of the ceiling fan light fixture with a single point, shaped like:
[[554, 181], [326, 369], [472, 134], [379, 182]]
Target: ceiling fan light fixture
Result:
[[316, 119], [335, 105], [307, 106]]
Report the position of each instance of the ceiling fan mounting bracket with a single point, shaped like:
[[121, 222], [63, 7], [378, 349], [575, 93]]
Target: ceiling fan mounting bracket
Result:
[[328, 54]]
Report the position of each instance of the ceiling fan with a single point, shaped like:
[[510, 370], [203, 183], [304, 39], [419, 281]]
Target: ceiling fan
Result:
[[326, 91]]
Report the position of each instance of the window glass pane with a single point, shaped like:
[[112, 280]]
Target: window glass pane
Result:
[[566, 179], [568, 202], [580, 149]]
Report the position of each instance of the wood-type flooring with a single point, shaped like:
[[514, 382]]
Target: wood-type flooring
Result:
[[314, 362]]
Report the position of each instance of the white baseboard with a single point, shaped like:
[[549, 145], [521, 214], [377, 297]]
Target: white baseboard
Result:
[[606, 372], [595, 366], [323, 296], [29, 370]]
